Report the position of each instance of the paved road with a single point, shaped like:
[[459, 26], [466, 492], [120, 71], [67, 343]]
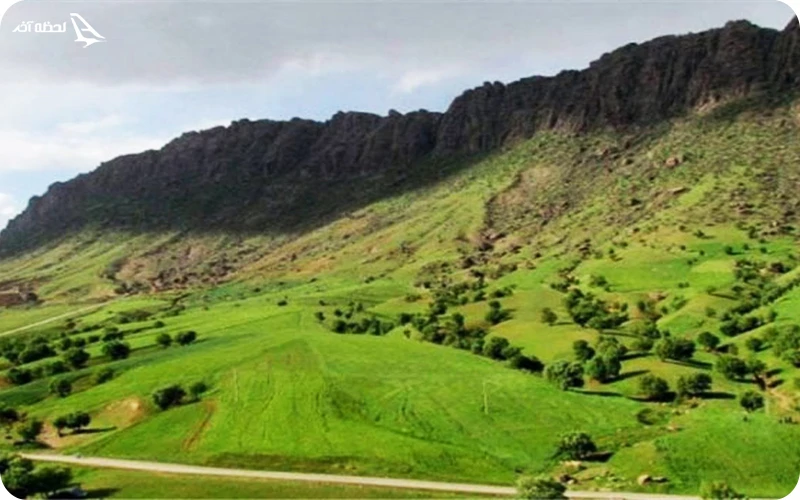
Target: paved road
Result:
[[55, 318], [330, 478]]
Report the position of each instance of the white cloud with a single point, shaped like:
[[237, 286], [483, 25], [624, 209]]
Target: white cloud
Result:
[[414, 79], [90, 126], [7, 209], [80, 152]]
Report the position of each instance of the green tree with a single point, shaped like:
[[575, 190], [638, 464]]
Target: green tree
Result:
[[29, 430], [8, 417], [116, 350], [495, 348], [751, 400], [693, 385], [549, 317], [540, 487], [731, 367], [164, 340], [575, 446], [583, 351], [603, 368], [61, 387], [754, 344], [60, 423], [708, 341], [76, 358], [186, 338], [564, 374], [168, 396], [197, 389], [49, 480], [78, 420], [675, 349], [654, 388], [103, 375]]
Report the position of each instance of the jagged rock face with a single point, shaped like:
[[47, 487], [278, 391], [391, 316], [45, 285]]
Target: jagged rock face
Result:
[[232, 175]]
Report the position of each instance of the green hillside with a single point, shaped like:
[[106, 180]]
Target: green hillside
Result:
[[685, 228]]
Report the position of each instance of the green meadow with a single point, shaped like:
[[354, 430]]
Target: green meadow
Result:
[[285, 392]]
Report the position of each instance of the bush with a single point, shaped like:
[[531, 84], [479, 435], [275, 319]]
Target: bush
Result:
[[693, 385], [603, 368], [751, 400], [583, 351], [540, 487], [61, 387], [575, 446], [164, 340], [116, 350], [496, 347], [197, 389], [654, 388], [103, 376], [708, 341], [526, 363], [731, 367], [564, 374], [186, 338], [169, 396], [76, 358], [549, 317], [718, 490]]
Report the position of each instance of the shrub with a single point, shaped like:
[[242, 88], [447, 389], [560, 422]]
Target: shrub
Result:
[[186, 338], [540, 487], [61, 387], [168, 396], [116, 350], [565, 374], [694, 384], [654, 388], [548, 316], [575, 446], [718, 490], [164, 340], [103, 375], [751, 400]]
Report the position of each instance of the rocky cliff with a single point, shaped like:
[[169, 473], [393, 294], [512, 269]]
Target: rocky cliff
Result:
[[257, 175]]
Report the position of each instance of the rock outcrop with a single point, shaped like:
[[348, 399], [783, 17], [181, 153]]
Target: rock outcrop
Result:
[[237, 176]]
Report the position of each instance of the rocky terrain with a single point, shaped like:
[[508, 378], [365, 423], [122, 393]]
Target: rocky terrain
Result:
[[264, 175]]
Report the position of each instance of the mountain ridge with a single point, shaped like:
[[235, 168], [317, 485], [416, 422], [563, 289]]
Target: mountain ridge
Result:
[[255, 174]]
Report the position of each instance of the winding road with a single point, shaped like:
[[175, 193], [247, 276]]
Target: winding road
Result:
[[413, 484], [54, 318]]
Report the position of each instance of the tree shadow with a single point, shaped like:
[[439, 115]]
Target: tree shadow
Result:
[[101, 492], [631, 374], [716, 395], [599, 456], [603, 394], [95, 430], [773, 372], [703, 365], [635, 355]]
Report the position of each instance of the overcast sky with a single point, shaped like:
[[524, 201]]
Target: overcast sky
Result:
[[167, 67]]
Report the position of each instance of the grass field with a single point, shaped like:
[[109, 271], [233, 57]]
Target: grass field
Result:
[[286, 393]]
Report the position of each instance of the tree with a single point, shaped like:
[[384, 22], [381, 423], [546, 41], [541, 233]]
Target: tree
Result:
[[731, 367], [18, 477], [604, 368], [168, 396], [654, 388], [19, 376], [78, 420], [496, 313], [540, 487], [8, 417], [675, 349], [583, 351], [693, 385], [164, 340], [186, 338], [30, 430], [564, 374], [197, 389], [116, 349], [61, 387], [751, 400], [754, 344], [76, 358], [549, 317], [575, 446], [50, 480], [495, 347], [526, 363], [103, 376], [708, 341], [60, 423], [718, 490]]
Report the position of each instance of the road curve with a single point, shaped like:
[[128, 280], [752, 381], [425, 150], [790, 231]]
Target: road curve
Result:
[[413, 484]]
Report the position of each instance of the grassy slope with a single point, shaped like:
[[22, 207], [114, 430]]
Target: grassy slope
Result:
[[288, 394]]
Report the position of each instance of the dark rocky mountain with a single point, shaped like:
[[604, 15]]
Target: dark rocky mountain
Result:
[[277, 176]]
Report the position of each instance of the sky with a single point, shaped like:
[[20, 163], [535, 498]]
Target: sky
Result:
[[167, 67]]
